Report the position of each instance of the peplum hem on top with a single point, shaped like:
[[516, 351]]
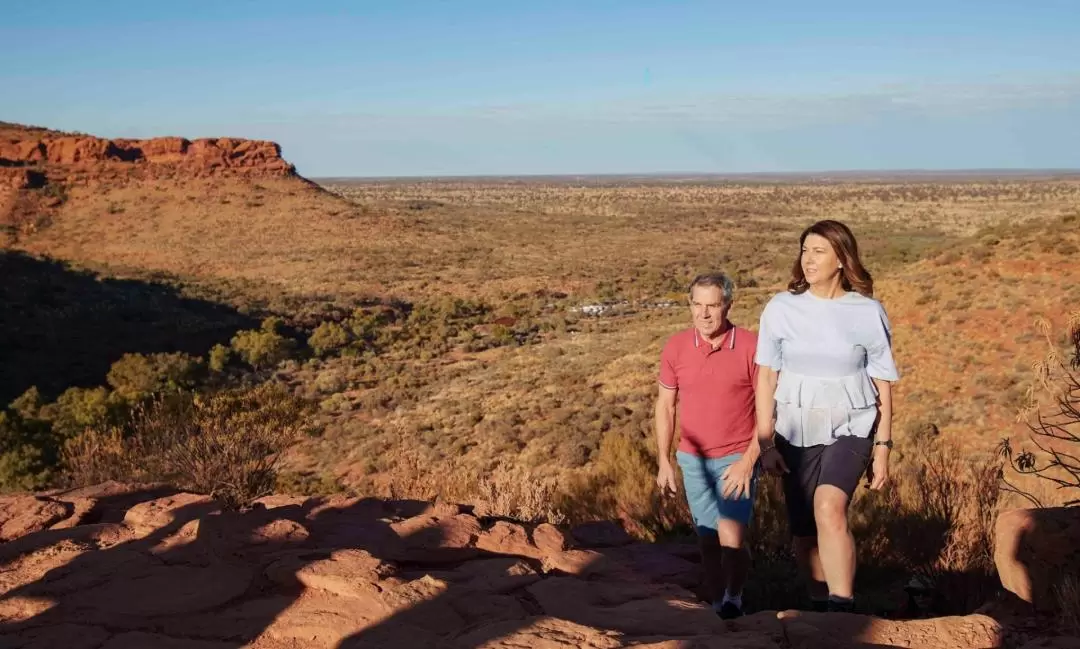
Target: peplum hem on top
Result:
[[854, 392], [812, 410]]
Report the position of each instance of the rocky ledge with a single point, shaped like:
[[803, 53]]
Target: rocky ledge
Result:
[[116, 566], [38, 168], [201, 157]]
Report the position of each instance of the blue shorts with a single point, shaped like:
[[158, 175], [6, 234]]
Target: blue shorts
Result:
[[705, 489]]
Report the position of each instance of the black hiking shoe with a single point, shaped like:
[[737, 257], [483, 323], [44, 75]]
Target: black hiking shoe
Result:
[[841, 606], [728, 611]]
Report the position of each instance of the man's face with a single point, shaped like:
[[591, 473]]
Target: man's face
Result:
[[707, 306]]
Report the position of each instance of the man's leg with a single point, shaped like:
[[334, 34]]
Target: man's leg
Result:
[[702, 499], [735, 558], [712, 564], [734, 517]]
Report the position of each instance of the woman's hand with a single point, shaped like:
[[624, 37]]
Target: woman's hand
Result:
[[773, 462], [879, 468], [737, 478]]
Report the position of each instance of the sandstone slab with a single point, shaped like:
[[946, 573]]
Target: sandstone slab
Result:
[[1035, 549], [166, 590], [507, 538], [68, 636], [24, 514]]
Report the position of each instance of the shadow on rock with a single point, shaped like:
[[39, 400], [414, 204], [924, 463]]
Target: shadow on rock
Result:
[[110, 569]]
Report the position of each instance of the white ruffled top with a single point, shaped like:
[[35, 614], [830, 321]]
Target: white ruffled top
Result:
[[827, 352]]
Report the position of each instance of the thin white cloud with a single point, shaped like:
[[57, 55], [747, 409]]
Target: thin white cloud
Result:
[[715, 112], [787, 110], [776, 110]]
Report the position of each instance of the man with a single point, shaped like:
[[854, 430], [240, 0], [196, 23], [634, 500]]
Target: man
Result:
[[709, 371]]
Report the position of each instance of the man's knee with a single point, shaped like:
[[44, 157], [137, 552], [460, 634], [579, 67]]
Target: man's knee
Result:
[[731, 534]]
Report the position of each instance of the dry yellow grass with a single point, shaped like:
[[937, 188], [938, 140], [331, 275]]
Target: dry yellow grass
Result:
[[485, 240]]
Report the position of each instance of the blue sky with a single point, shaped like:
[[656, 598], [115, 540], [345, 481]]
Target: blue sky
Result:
[[432, 88]]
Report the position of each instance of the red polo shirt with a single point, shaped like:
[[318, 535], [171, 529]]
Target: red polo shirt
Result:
[[716, 390]]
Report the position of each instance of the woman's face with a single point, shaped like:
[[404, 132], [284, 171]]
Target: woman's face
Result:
[[819, 261]]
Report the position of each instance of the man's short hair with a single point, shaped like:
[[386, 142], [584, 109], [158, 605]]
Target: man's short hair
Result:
[[717, 279]]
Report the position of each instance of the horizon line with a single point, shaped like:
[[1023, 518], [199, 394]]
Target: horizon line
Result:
[[988, 172]]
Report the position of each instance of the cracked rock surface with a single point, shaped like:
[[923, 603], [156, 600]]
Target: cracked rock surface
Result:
[[119, 567]]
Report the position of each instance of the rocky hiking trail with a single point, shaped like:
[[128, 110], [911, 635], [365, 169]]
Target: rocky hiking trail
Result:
[[118, 567]]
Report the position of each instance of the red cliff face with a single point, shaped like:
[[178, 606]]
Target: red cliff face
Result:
[[202, 157], [38, 166]]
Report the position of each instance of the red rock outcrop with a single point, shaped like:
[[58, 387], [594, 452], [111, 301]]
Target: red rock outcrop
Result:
[[98, 567], [39, 166], [202, 157]]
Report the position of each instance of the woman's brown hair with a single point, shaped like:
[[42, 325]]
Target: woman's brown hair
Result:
[[853, 276]]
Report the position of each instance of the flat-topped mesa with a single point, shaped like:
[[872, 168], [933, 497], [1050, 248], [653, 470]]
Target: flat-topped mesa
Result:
[[45, 174], [201, 157]]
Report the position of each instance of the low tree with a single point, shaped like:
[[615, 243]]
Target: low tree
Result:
[[328, 337], [80, 408], [218, 358], [137, 376], [1053, 419], [264, 348], [28, 451]]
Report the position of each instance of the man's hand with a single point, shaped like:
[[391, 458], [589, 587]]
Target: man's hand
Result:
[[737, 477], [879, 468], [665, 478], [773, 462]]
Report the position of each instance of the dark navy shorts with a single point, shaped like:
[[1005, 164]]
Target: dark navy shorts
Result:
[[840, 464]]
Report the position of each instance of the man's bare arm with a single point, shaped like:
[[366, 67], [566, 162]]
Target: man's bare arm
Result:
[[665, 433], [665, 422]]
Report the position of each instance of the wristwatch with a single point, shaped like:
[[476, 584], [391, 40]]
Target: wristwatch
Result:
[[887, 443]]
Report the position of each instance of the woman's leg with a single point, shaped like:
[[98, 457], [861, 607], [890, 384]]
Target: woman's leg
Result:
[[809, 561], [836, 546], [800, 484], [843, 463]]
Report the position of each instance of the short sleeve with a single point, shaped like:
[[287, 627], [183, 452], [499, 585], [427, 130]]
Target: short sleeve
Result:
[[769, 350], [668, 377], [879, 358]]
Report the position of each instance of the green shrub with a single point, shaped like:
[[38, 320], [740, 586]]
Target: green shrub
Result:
[[80, 408], [28, 451], [273, 325], [28, 404], [219, 358], [137, 376], [328, 337], [225, 445], [261, 349]]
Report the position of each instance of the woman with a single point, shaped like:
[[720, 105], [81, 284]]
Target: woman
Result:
[[825, 359]]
